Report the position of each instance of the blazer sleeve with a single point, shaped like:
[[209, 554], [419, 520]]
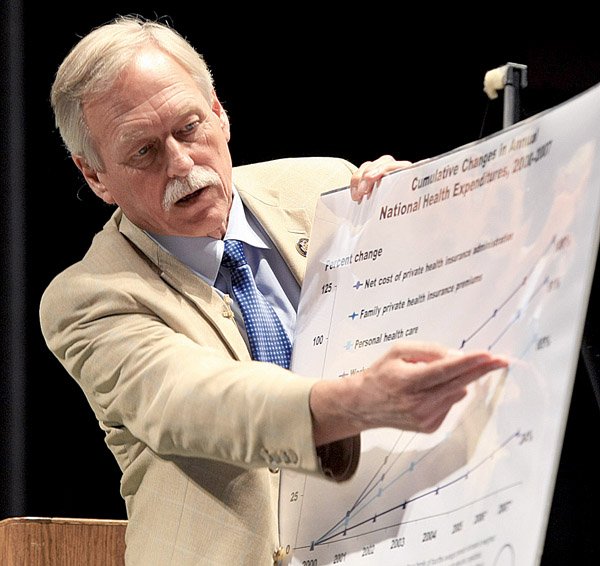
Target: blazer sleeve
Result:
[[157, 373], [283, 194]]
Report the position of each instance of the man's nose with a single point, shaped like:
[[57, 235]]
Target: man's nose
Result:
[[179, 161]]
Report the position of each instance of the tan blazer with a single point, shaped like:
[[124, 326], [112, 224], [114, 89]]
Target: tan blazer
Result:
[[198, 435]]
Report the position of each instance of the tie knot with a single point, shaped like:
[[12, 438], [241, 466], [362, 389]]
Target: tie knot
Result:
[[233, 254]]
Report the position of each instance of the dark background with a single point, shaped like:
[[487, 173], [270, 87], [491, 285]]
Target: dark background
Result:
[[294, 82]]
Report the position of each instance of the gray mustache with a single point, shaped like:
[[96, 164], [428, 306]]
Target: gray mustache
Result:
[[182, 186]]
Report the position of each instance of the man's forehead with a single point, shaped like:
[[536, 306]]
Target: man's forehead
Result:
[[131, 110]]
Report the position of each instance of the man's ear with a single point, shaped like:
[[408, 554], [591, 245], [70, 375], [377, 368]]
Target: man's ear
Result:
[[91, 177], [218, 109]]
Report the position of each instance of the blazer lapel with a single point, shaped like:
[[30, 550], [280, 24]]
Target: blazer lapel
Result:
[[286, 218], [215, 309]]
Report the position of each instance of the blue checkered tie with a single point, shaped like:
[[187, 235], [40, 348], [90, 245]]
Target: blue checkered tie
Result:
[[267, 338]]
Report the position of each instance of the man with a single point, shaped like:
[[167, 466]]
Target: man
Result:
[[145, 325]]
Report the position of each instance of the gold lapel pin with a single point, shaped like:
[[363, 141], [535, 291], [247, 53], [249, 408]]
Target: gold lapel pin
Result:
[[302, 246]]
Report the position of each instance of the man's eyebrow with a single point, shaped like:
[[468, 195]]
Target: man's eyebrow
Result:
[[136, 135], [130, 137]]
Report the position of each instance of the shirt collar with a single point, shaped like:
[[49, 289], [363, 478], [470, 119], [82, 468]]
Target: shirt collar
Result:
[[203, 254]]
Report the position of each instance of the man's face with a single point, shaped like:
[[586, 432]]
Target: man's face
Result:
[[164, 150]]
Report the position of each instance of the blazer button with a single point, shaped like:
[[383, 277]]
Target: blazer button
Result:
[[290, 457], [227, 312], [279, 555]]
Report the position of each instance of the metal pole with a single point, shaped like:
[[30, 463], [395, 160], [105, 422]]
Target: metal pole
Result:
[[516, 79], [510, 78]]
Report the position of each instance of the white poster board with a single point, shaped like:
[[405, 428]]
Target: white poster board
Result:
[[491, 246]]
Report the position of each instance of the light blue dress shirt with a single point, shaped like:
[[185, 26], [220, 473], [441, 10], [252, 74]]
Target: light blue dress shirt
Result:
[[273, 277]]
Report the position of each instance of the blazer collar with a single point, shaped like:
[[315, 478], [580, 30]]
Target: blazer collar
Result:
[[285, 218]]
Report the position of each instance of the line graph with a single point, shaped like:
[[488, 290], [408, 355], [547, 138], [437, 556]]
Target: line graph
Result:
[[548, 282], [406, 479], [377, 487], [505, 266]]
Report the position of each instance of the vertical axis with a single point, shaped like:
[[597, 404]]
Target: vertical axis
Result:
[[329, 329]]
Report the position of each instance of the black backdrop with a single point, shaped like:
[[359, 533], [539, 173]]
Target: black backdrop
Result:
[[294, 82]]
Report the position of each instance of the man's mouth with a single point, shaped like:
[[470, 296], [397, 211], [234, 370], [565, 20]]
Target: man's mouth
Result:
[[190, 197]]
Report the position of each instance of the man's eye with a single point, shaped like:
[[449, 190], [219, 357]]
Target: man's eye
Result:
[[189, 128], [141, 156]]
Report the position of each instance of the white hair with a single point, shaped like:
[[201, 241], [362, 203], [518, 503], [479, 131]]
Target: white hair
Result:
[[96, 61]]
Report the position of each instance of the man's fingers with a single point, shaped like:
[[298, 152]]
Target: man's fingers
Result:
[[370, 173], [459, 371]]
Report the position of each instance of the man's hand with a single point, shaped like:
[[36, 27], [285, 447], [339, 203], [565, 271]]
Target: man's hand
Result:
[[412, 387], [370, 173]]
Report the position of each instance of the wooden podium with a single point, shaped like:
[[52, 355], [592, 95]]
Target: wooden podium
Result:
[[41, 541]]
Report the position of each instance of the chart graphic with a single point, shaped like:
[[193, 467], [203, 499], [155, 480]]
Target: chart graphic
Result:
[[491, 246]]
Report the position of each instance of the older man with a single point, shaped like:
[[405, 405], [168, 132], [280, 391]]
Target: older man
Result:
[[198, 422]]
